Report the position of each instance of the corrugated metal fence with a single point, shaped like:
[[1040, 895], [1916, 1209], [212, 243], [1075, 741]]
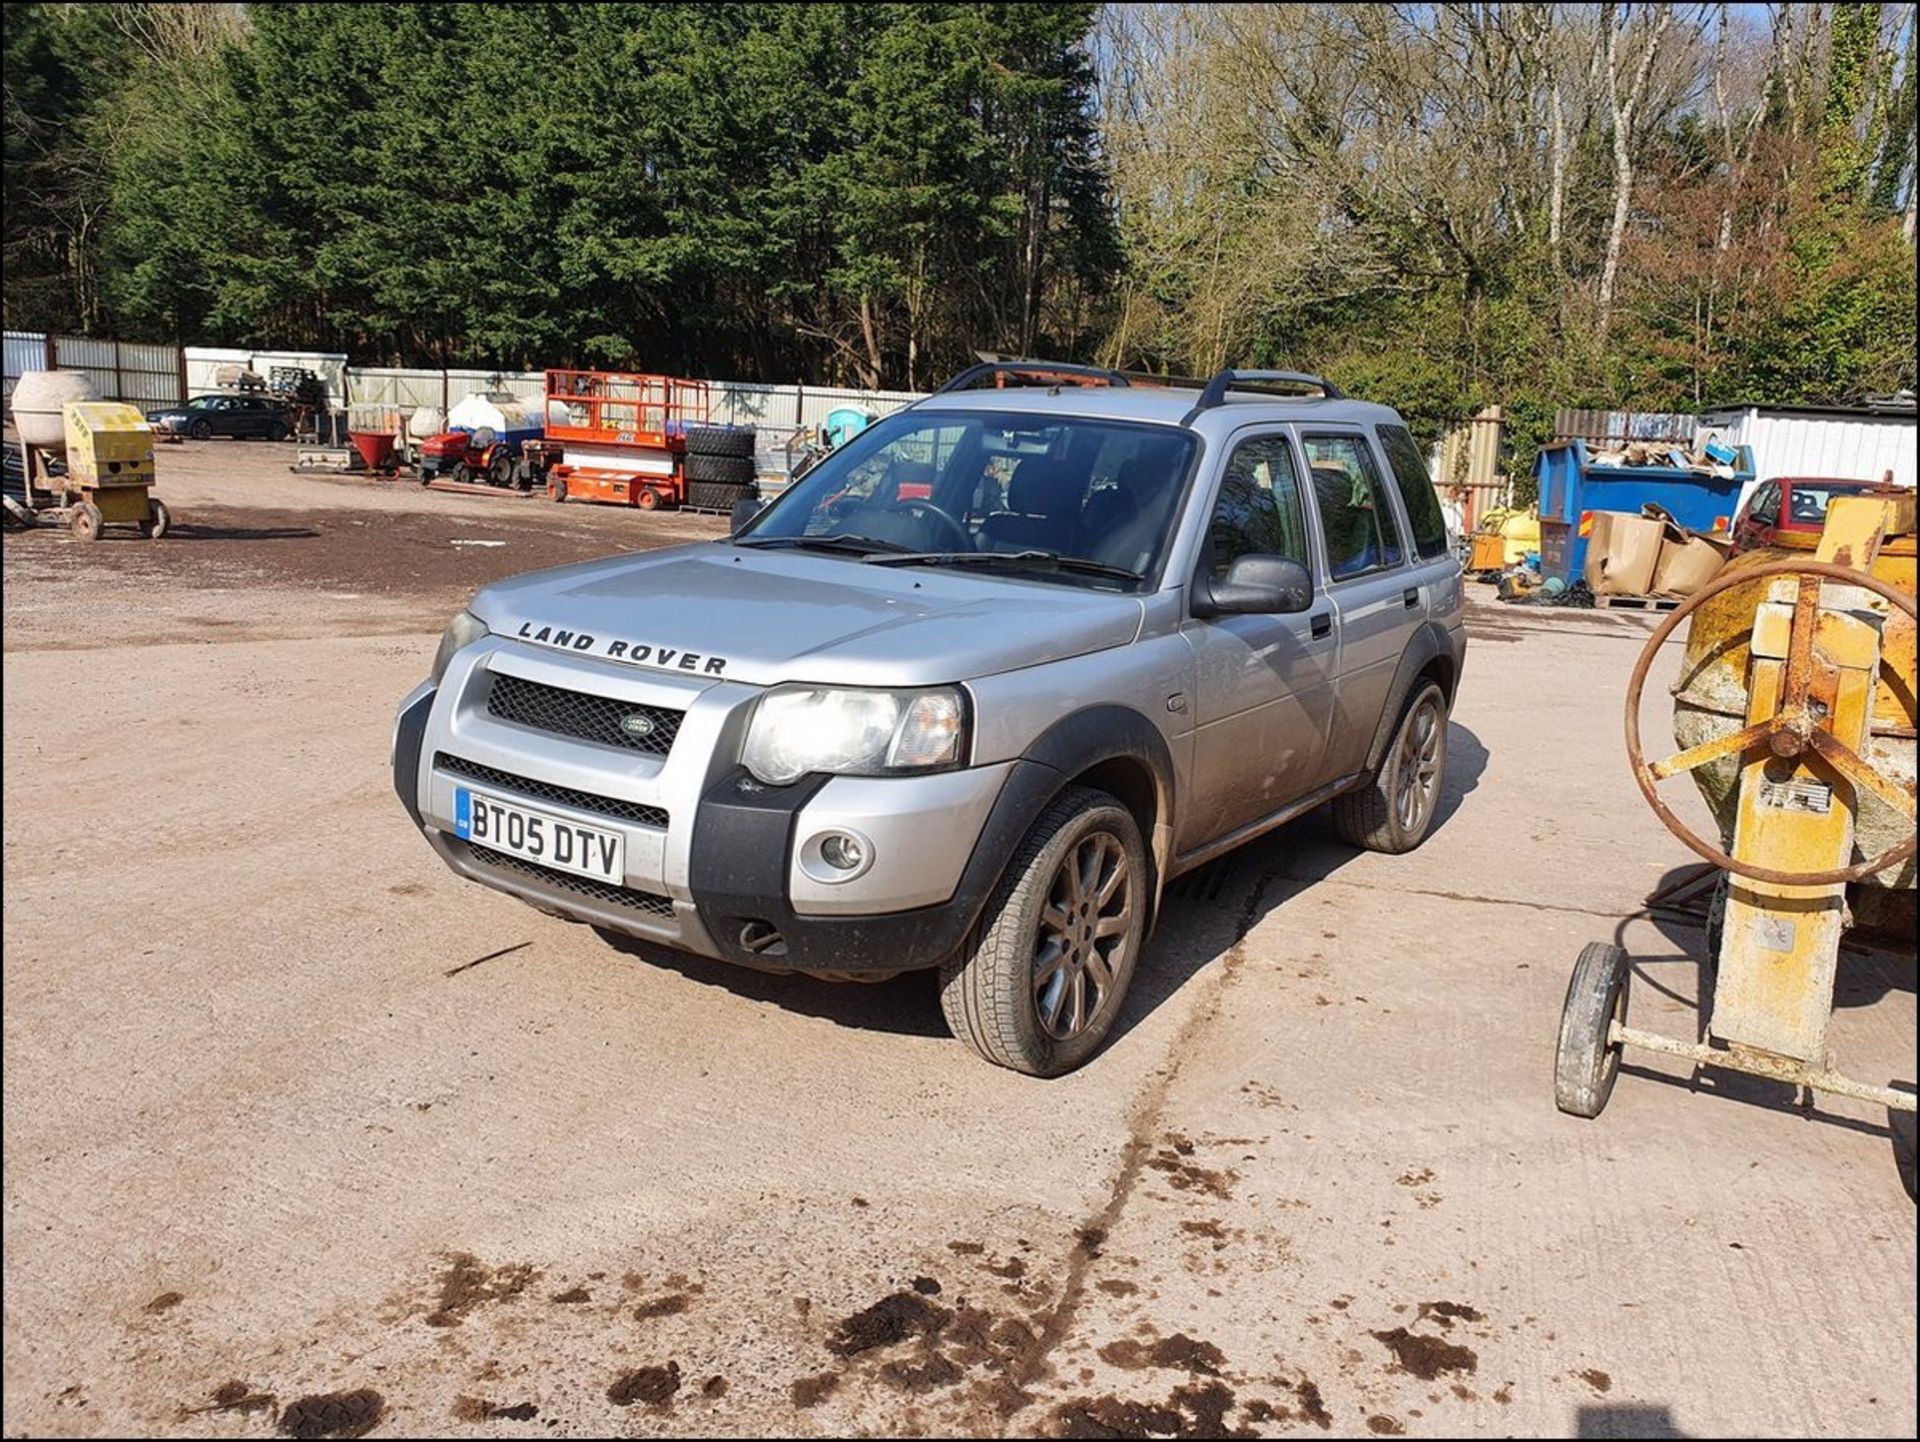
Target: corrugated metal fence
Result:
[[141, 375], [154, 375], [1608, 429]]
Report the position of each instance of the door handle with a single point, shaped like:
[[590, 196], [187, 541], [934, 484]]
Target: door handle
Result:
[[1411, 596], [1320, 626]]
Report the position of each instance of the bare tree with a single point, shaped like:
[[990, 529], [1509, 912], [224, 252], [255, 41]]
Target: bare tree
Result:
[[1627, 110]]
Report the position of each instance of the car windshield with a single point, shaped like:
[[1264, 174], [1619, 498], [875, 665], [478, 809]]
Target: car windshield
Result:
[[1071, 500], [1807, 500]]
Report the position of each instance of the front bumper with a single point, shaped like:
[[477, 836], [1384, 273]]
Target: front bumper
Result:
[[714, 866]]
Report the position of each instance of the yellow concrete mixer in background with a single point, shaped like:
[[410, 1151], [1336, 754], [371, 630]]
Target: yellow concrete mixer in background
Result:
[[1794, 714]]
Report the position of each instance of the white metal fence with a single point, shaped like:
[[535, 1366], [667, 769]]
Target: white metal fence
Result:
[[155, 375], [141, 375]]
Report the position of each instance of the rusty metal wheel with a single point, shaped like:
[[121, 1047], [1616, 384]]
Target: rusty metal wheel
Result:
[[1796, 729]]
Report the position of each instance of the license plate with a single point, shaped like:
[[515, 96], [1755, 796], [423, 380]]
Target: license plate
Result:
[[538, 836]]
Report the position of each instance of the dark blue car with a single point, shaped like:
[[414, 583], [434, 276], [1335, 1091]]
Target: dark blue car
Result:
[[204, 417]]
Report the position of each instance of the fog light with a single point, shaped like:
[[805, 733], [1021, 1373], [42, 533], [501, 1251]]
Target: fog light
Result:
[[831, 857], [842, 852]]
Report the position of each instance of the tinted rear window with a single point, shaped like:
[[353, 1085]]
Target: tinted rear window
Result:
[[1416, 491]]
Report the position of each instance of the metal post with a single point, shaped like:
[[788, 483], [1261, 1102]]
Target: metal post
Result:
[[119, 374]]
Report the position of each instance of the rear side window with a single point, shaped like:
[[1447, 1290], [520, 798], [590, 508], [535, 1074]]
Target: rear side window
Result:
[[1766, 505], [1258, 512], [1355, 514], [1424, 515]]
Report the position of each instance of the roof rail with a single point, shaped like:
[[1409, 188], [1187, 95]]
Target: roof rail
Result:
[[1033, 372], [1216, 391]]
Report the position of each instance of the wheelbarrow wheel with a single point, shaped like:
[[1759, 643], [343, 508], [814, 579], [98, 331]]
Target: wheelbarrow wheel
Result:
[[1587, 1061], [158, 519], [86, 521], [557, 488]]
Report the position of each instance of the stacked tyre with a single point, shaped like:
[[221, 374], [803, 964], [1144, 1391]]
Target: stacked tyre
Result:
[[719, 466]]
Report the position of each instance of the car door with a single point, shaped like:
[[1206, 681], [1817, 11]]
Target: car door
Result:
[[1436, 569], [225, 419], [1263, 685], [1369, 582]]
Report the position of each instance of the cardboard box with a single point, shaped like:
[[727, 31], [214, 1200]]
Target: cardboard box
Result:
[[1622, 552], [1685, 566]]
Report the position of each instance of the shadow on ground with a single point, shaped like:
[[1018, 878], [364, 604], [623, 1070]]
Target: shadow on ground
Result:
[[1204, 913]]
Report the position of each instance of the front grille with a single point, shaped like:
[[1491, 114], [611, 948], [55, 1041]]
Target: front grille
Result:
[[642, 901], [632, 811], [575, 713]]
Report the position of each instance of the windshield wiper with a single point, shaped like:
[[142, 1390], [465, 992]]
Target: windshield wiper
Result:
[[1019, 560], [840, 541]]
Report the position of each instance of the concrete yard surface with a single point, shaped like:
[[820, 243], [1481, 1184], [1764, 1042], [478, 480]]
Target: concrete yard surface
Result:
[[303, 1133]]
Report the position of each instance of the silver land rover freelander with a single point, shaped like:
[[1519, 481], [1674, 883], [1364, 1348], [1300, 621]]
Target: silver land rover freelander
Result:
[[968, 694]]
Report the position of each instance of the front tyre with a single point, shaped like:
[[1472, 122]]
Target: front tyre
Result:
[[1041, 978], [1394, 811]]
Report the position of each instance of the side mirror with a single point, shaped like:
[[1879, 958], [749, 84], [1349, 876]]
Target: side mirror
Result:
[[1255, 586], [744, 510]]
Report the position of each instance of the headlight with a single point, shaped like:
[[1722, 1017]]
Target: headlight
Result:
[[464, 631], [801, 729]]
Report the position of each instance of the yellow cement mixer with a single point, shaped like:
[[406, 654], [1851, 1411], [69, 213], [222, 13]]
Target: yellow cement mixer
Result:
[[1794, 714]]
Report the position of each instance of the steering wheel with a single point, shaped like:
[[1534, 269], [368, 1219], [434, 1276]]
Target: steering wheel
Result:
[[1800, 725], [953, 532]]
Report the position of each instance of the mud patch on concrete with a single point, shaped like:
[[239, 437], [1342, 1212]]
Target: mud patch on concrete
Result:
[[1313, 1406], [476, 1409], [1596, 1379], [650, 1386], [714, 1386], [1444, 1314], [812, 1391], [1382, 1425], [573, 1296], [671, 1305], [923, 1374], [165, 1302], [1179, 1353], [1427, 1357], [1191, 1411], [926, 1286], [892, 1319], [1114, 1287], [236, 1396], [333, 1414], [1187, 1176], [468, 1283]]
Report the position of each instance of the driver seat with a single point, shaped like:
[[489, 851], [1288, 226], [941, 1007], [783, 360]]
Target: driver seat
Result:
[[1043, 506]]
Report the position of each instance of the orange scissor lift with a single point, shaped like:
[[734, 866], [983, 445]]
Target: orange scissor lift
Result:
[[623, 438]]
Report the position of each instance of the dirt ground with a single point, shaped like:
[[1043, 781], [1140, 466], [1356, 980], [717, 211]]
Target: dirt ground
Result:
[[304, 1134]]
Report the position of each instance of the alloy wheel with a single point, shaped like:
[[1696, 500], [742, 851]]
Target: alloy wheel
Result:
[[1085, 927]]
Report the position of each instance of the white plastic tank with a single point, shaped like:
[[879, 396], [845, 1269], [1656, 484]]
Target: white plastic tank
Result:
[[424, 422], [510, 418], [36, 401]]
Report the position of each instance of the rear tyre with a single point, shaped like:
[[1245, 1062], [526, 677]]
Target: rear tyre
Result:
[[720, 441], [1394, 811], [1040, 981], [86, 521], [200, 431], [500, 473], [279, 432], [724, 470], [1587, 1063]]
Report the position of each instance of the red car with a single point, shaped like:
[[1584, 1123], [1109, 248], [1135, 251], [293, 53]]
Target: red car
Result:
[[1796, 504]]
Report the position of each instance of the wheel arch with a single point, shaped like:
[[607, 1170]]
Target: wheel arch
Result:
[[1430, 655], [1118, 750]]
